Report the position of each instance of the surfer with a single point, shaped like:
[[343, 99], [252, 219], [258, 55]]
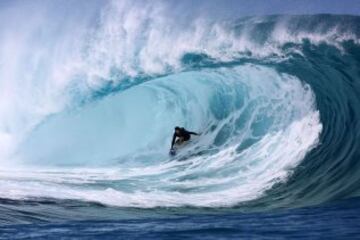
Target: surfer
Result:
[[182, 136]]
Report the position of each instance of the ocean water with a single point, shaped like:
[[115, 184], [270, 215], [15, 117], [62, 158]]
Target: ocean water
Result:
[[335, 221], [89, 97]]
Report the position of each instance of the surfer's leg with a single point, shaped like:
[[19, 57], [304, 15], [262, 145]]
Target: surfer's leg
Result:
[[186, 138]]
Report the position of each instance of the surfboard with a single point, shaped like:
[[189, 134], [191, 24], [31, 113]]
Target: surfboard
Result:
[[172, 152]]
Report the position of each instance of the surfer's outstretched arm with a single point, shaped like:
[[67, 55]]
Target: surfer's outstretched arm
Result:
[[193, 133]]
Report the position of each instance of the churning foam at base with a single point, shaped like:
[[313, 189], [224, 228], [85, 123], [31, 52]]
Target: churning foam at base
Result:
[[175, 184]]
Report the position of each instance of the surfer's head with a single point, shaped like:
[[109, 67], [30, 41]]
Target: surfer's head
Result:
[[177, 129]]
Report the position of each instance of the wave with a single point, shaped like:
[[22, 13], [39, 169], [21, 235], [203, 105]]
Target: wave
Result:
[[275, 99]]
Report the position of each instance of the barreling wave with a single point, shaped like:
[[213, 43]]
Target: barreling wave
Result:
[[274, 97]]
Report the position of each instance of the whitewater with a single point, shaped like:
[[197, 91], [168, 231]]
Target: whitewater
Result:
[[87, 111]]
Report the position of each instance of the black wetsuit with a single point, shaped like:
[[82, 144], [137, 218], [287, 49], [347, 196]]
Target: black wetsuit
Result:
[[184, 135]]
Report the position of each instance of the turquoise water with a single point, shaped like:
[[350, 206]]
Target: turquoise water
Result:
[[87, 114]]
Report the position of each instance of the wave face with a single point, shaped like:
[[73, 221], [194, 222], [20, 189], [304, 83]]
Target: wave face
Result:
[[87, 111]]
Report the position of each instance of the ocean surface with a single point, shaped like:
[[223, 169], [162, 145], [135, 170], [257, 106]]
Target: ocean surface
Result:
[[89, 98]]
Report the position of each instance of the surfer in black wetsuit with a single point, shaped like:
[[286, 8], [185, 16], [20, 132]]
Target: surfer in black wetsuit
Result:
[[182, 135]]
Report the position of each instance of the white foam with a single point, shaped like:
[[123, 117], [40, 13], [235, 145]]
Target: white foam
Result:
[[276, 163]]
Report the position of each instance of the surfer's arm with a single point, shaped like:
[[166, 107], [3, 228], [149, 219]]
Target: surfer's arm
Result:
[[193, 133], [173, 140]]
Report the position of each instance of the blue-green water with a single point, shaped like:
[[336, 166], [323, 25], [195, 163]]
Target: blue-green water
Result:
[[334, 221], [88, 109]]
